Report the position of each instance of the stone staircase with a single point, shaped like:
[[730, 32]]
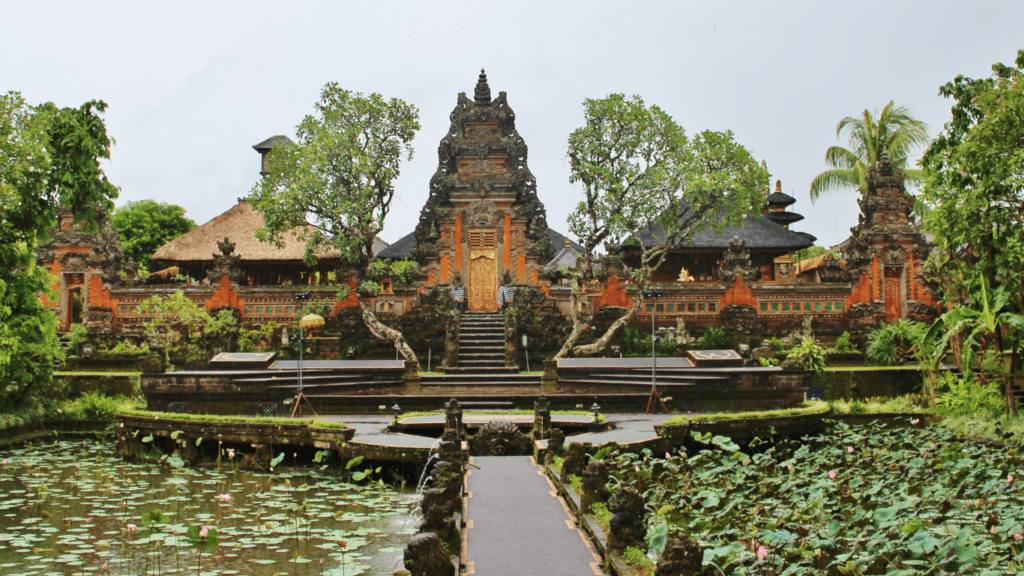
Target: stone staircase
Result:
[[481, 356]]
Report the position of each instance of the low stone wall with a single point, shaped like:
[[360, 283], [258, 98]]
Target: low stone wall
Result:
[[74, 385], [859, 384]]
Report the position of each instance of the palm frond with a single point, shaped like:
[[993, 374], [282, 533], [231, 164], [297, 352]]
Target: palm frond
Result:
[[831, 180]]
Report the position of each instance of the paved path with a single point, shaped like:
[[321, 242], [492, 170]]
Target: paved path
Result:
[[518, 525]]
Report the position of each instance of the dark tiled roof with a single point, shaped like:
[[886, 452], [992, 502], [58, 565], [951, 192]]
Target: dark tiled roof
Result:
[[784, 217], [811, 237], [402, 248], [271, 142], [756, 232], [780, 199], [558, 240]]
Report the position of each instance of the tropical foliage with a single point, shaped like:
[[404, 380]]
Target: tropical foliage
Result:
[[856, 500], [143, 226], [49, 160], [975, 207], [638, 170], [891, 131], [336, 184]]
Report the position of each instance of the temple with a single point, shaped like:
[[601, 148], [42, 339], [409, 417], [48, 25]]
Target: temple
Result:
[[483, 217]]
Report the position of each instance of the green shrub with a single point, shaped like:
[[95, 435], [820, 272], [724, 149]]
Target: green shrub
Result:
[[844, 345], [638, 559], [79, 335], [713, 339], [807, 355], [888, 344], [94, 406], [601, 514], [576, 483], [969, 396]]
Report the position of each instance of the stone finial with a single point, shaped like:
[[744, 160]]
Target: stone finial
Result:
[[885, 165], [482, 93], [568, 243], [778, 186]]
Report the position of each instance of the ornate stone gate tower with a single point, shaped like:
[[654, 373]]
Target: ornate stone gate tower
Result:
[[886, 252], [483, 217]]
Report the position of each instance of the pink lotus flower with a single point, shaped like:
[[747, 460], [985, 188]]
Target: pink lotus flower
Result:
[[231, 453], [1009, 478], [204, 532], [4, 461], [849, 449], [1017, 536], [915, 421], [832, 474], [59, 411], [223, 498], [131, 528], [121, 425], [762, 552]]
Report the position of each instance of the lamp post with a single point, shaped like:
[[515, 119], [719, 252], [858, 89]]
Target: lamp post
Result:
[[653, 295], [307, 321]]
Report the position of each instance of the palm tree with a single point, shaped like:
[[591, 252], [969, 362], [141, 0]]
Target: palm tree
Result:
[[892, 130]]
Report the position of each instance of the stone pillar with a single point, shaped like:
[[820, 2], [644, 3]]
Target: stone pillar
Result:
[[425, 556], [626, 527], [595, 478], [541, 418]]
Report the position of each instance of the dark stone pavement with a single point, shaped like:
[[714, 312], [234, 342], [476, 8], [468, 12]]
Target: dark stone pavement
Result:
[[519, 527]]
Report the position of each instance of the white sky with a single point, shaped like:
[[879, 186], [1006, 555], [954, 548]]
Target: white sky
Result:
[[192, 86]]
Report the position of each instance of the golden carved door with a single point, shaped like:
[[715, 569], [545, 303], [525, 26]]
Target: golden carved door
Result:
[[483, 270]]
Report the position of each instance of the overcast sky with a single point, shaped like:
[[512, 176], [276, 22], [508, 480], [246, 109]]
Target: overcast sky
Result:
[[192, 86]]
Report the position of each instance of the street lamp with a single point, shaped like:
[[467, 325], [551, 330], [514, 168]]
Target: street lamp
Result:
[[525, 339], [397, 410], [654, 295]]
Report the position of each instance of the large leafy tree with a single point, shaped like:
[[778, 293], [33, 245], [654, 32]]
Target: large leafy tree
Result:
[[143, 226], [49, 159], [336, 184], [892, 130], [974, 194], [644, 179]]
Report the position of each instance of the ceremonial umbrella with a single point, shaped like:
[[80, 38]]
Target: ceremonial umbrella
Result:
[[311, 321]]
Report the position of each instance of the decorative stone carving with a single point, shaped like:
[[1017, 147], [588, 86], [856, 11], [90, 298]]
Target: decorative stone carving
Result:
[[832, 271], [737, 261], [471, 137], [425, 556], [626, 527], [575, 460], [595, 489], [499, 438], [451, 340], [682, 557], [542, 419], [226, 263]]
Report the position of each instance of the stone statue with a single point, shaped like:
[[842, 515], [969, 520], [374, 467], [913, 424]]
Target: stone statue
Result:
[[425, 556], [626, 527], [595, 489], [556, 443], [575, 460], [682, 557], [453, 418]]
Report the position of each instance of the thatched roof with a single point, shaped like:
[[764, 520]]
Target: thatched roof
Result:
[[239, 224]]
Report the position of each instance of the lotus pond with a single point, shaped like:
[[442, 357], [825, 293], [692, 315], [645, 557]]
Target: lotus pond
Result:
[[74, 508], [855, 500]]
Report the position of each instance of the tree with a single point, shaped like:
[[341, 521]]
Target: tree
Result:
[[49, 159], [143, 226], [644, 182], [974, 194], [891, 131], [335, 185]]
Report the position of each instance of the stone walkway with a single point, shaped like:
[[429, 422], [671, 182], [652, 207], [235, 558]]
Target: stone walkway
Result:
[[518, 526]]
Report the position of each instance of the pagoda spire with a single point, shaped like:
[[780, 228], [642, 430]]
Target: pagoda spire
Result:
[[482, 93]]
